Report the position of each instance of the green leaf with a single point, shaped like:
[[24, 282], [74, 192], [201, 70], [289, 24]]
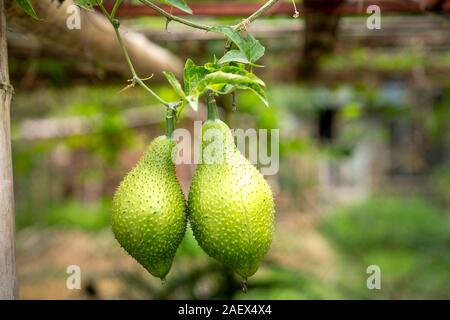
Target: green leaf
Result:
[[28, 8], [192, 75], [231, 78], [225, 82], [87, 4], [175, 84], [221, 80], [258, 90], [211, 66], [231, 34], [180, 4], [222, 88], [193, 101], [234, 56], [253, 49], [247, 44], [241, 71]]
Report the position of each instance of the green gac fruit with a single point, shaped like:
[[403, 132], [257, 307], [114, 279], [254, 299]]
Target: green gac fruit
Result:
[[148, 218], [230, 206]]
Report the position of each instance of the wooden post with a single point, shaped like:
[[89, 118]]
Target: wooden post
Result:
[[321, 28], [8, 284]]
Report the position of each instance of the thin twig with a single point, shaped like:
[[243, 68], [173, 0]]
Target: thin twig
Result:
[[296, 13], [245, 22], [115, 7], [175, 18], [136, 79], [170, 17], [200, 26]]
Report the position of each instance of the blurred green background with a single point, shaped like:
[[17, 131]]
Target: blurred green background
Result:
[[364, 174]]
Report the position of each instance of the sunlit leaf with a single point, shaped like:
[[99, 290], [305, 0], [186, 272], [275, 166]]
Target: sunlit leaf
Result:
[[192, 75], [247, 44], [193, 101], [234, 56], [28, 8], [231, 78], [174, 83], [239, 70], [258, 90], [87, 4], [219, 79], [180, 4]]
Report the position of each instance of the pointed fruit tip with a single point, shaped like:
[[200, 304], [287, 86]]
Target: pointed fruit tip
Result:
[[244, 285]]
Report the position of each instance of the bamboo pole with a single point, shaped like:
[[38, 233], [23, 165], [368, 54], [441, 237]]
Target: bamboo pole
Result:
[[8, 283]]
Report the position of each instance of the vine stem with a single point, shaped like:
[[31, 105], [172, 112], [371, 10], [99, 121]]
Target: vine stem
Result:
[[136, 79], [200, 26], [269, 4], [170, 122], [212, 107], [244, 23], [170, 17], [115, 7]]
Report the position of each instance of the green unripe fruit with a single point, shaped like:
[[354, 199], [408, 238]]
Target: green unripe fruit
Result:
[[230, 206], [148, 218]]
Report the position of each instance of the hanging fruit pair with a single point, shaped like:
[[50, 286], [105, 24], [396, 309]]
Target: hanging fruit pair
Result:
[[230, 205]]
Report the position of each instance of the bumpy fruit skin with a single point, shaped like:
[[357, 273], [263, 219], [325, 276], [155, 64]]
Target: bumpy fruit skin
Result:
[[230, 207], [148, 218]]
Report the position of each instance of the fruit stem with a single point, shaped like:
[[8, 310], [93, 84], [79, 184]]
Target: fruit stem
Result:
[[212, 107], [170, 122]]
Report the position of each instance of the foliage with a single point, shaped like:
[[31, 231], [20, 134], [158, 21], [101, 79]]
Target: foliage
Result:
[[180, 4], [74, 214], [440, 179], [250, 50], [393, 223], [214, 77], [27, 7], [217, 77], [206, 279], [280, 283], [406, 237]]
